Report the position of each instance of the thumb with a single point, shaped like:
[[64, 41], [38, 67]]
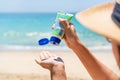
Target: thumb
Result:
[[37, 61], [64, 24]]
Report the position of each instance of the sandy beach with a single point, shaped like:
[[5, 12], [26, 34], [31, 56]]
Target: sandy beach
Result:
[[20, 65]]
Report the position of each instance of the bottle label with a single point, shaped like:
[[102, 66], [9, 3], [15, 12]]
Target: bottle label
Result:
[[58, 32]]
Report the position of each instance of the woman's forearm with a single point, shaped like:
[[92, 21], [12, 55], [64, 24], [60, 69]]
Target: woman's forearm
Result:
[[58, 73], [96, 69]]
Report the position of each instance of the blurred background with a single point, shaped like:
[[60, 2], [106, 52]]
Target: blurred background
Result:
[[24, 22]]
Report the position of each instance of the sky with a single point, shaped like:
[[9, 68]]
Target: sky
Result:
[[47, 5]]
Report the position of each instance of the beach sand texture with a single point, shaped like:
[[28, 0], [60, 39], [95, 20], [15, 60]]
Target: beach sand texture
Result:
[[20, 65]]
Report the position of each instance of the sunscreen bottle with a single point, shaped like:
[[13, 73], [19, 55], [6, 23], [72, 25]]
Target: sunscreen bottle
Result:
[[58, 31]]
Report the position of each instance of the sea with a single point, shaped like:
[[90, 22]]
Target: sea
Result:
[[22, 31]]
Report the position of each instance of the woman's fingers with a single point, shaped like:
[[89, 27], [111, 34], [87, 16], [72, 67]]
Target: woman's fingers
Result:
[[45, 55], [64, 24]]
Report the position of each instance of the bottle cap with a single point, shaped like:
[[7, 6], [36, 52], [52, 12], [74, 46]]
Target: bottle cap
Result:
[[43, 41], [54, 40]]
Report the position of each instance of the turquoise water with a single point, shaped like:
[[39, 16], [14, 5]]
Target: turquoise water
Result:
[[18, 30]]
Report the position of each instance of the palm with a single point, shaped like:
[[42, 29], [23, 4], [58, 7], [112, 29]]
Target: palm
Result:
[[48, 60]]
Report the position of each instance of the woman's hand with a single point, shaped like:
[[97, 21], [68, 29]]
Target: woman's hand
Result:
[[53, 63], [70, 36], [49, 61]]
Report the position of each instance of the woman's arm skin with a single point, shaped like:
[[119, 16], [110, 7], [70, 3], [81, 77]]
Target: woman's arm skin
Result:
[[116, 51], [96, 69]]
